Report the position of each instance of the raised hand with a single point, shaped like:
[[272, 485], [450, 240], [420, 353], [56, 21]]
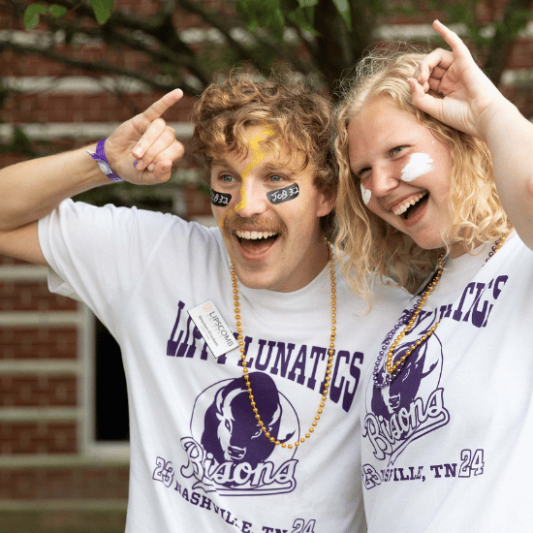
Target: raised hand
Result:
[[467, 92], [143, 149]]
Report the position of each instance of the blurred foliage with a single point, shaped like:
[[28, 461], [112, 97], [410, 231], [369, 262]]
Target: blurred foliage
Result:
[[321, 40]]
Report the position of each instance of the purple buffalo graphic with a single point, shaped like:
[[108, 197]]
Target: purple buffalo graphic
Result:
[[407, 386], [231, 432]]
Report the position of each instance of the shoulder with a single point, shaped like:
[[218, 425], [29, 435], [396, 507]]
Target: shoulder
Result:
[[109, 229]]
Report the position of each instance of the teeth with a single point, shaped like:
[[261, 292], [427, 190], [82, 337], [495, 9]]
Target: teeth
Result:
[[406, 205], [255, 235]]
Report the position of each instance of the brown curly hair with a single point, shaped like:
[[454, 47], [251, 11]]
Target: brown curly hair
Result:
[[299, 116]]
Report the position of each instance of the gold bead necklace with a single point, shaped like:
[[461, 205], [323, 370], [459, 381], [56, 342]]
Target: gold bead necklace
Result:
[[394, 369], [331, 352]]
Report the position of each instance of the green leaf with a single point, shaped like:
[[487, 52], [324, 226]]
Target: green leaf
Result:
[[31, 15], [21, 142], [260, 13], [242, 7], [288, 6], [277, 24], [344, 10], [252, 24], [57, 11], [518, 21], [302, 20], [273, 5], [102, 10], [273, 14]]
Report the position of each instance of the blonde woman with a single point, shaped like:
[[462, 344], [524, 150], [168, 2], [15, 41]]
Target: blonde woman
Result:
[[436, 169]]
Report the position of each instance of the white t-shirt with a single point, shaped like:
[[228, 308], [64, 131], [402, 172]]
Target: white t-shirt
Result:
[[447, 446], [197, 462]]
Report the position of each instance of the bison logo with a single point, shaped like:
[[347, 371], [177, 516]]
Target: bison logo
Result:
[[413, 404], [227, 451], [231, 431]]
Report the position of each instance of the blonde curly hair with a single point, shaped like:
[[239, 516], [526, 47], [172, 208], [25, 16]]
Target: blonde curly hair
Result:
[[369, 248], [299, 117]]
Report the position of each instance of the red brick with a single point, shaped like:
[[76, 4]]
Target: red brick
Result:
[[38, 438], [99, 107], [38, 343], [32, 296], [64, 483], [42, 390]]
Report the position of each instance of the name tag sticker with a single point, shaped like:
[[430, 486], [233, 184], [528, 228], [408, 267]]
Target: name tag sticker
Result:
[[213, 327]]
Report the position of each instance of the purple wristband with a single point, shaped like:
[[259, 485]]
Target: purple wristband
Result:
[[101, 159]]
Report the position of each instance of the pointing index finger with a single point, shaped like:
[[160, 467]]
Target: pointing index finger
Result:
[[452, 39], [161, 105], [439, 60]]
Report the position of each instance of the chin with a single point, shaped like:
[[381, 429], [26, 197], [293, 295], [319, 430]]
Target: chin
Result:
[[253, 280], [430, 242]]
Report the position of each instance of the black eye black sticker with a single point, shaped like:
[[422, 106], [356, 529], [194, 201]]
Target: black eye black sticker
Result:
[[220, 199], [284, 195]]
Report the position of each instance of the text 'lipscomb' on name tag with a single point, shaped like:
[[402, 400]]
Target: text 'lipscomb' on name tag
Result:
[[213, 327]]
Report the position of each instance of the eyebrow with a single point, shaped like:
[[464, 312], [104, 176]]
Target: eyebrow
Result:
[[279, 168], [269, 167], [223, 166]]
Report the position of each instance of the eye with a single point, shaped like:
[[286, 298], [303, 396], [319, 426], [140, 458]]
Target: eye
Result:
[[397, 150], [364, 174], [226, 178], [276, 178]]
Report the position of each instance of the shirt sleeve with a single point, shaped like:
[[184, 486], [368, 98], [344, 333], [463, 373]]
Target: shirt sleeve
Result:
[[99, 255]]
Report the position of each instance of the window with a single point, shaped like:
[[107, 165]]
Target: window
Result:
[[111, 420]]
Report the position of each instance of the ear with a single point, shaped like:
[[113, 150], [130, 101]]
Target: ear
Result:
[[326, 202]]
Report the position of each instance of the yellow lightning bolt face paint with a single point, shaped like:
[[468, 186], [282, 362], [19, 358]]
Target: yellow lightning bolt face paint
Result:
[[257, 156]]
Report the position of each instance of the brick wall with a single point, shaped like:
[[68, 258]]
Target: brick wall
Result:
[[48, 479], [54, 476]]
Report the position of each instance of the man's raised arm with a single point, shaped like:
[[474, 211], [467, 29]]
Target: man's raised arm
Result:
[[141, 151]]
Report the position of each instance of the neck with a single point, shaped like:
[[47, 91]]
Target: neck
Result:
[[459, 249], [320, 257]]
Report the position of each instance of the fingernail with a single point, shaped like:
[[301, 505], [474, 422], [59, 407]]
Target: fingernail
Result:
[[138, 151], [151, 167], [135, 164]]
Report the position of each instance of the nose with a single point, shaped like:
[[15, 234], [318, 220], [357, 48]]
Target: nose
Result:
[[253, 199], [383, 180]]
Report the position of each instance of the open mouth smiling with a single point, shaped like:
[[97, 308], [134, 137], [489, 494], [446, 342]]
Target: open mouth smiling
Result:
[[255, 235], [256, 241], [408, 208]]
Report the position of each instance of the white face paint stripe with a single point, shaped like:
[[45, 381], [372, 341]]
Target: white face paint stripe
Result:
[[418, 165], [366, 194]]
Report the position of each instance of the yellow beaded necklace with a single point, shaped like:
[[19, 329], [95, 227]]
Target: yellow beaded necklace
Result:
[[395, 368], [331, 352]]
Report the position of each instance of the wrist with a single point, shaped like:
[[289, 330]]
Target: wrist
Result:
[[495, 114], [99, 156]]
